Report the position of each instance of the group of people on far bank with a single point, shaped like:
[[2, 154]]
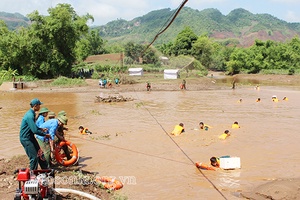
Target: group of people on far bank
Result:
[[107, 83]]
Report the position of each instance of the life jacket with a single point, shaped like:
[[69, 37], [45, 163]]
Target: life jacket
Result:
[[223, 136], [177, 130], [218, 162], [84, 131], [235, 126]]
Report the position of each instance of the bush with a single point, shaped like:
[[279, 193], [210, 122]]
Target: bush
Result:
[[291, 71], [63, 81], [273, 71]]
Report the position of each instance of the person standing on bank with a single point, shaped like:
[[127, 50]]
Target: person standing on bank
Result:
[[28, 129], [148, 86], [183, 85]]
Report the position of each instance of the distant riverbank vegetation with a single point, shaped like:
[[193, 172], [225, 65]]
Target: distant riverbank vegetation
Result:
[[58, 44]]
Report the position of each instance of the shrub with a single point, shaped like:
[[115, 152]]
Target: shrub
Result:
[[63, 81]]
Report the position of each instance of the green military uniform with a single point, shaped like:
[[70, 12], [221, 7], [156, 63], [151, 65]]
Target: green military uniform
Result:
[[27, 130]]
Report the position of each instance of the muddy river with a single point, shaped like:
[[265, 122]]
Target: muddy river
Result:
[[131, 140]]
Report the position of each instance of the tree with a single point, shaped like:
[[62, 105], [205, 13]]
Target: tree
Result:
[[82, 50], [203, 50], [96, 42], [55, 37], [134, 51], [236, 62], [150, 56], [184, 42], [166, 49]]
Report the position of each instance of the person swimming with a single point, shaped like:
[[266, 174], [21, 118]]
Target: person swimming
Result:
[[204, 126], [235, 125], [224, 135], [274, 98], [178, 129]]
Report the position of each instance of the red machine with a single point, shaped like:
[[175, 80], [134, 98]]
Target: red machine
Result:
[[35, 184]]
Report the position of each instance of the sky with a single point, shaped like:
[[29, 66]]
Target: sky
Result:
[[109, 10]]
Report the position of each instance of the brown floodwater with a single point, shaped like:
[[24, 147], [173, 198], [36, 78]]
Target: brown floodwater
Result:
[[130, 140]]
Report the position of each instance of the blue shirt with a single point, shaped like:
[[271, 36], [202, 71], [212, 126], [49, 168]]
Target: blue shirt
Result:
[[28, 127], [51, 125], [40, 120]]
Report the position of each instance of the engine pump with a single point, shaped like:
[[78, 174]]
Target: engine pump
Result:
[[35, 184]]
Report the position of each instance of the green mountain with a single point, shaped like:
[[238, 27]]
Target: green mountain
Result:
[[14, 20], [239, 25]]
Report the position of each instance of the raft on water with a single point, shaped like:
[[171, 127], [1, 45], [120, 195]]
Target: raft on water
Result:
[[109, 99]]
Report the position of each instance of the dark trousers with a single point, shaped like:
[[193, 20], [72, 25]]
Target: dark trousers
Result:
[[35, 154], [66, 150]]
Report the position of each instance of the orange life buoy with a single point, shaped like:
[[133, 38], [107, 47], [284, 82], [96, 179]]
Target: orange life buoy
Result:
[[109, 183], [204, 166], [61, 157]]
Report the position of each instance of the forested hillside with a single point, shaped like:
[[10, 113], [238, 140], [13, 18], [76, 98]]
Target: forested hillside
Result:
[[239, 26], [58, 44], [14, 20]]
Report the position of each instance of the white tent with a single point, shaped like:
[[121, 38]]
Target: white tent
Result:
[[164, 60], [135, 71], [171, 73]]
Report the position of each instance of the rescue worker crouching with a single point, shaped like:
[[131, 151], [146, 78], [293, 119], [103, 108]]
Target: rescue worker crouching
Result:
[[60, 135], [47, 144]]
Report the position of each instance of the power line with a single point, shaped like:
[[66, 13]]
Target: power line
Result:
[[169, 24], [215, 187], [134, 151]]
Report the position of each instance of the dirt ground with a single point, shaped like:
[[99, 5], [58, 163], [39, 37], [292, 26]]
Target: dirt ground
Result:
[[9, 184], [277, 189]]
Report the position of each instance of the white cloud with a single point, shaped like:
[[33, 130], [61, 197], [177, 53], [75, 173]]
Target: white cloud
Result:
[[105, 11]]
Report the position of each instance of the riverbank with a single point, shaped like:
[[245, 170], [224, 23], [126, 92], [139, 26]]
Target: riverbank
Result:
[[102, 118], [214, 81]]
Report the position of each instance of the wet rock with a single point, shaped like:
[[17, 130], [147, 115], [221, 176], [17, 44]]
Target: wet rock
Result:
[[110, 99]]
